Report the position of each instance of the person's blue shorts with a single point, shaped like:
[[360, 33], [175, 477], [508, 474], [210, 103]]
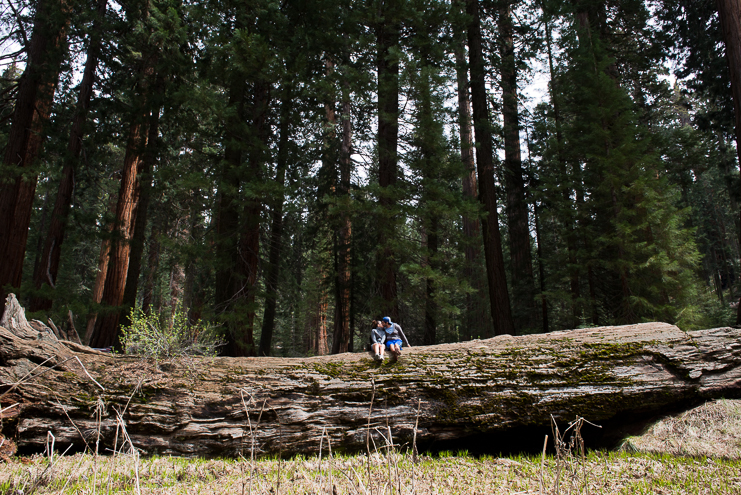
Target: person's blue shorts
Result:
[[389, 343]]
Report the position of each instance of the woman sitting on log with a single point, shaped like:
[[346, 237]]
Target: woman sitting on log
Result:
[[377, 340]]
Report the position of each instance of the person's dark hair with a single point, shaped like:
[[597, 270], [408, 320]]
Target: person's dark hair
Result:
[[374, 323]]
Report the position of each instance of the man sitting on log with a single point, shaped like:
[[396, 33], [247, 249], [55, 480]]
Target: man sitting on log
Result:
[[394, 337]]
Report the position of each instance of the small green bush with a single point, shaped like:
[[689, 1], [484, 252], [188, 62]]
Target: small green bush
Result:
[[152, 335]]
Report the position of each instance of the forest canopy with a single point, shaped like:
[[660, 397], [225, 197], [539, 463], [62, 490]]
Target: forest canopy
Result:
[[288, 171]]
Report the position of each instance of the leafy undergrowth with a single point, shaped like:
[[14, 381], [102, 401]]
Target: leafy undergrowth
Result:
[[694, 453]]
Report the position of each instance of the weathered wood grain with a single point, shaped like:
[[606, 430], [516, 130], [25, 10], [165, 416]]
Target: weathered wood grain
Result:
[[195, 406]]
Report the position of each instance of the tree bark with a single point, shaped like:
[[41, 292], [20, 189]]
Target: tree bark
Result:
[[477, 322], [142, 217], [387, 39], [100, 275], [342, 338], [523, 281], [276, 228], [480, 391], [49, 268], [32, 109], [729, 12], [227, 206], [496, 275], [249, 242]]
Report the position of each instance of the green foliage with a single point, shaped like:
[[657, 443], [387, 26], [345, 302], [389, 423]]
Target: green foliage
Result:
[[159, 336]]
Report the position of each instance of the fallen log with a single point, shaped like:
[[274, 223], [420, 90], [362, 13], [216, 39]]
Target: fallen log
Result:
[[239, 406]]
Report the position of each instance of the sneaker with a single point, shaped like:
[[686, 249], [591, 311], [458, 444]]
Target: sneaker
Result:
[[377, 357]]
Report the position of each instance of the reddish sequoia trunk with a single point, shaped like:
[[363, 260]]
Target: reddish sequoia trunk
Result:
[[344, 239], [505, 387], [106, 327], [32, 109], [523, 281], [477, 321], [387, 39], [730, 20], [496, 275], [49, 267], [105, 247], [142, 215]]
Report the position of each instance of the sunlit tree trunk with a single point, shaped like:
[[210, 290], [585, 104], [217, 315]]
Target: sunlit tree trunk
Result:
[[106, 332]]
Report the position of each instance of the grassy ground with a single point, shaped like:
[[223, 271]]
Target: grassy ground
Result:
[[694, 453]]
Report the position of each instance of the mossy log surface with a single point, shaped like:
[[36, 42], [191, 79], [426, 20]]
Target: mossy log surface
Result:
[[200, 406]]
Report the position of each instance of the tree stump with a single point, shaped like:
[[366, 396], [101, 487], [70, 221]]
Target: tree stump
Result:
[[477, 389]]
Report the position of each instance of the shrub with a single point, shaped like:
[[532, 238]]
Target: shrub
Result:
[[153, 335]]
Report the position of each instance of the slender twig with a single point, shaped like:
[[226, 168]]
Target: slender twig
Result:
[[542, 467], [368, 435]]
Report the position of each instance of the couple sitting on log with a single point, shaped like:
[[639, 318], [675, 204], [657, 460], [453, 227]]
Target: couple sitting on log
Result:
[[387, 335]]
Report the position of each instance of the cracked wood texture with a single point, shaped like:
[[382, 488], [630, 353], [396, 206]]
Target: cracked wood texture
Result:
[[198, 406]]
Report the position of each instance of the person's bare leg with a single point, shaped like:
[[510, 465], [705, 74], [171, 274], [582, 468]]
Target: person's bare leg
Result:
[[377, 351]]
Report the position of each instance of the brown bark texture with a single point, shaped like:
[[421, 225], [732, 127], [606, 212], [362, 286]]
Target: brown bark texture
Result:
[[49, 266], [33, 105], [477, 316], [496, 275], [106, 325], [729, 13], [249, 242], [198, 407], [342, 340], [142, 217]]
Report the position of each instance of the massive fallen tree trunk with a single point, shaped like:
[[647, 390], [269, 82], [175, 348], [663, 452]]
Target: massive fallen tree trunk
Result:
[[228, 406]]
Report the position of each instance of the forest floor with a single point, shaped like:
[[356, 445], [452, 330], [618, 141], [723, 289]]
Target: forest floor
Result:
[[697, 452]]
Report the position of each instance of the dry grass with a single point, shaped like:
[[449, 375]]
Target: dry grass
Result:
[[712, 430], [607, 473]]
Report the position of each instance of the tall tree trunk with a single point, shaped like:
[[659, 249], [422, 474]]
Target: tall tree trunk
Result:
[[342, 338], [429, 336], [49, 268], [523, 282], [276, 229], [249, 242], [477, 322], [227, 210], [730, 20], [32, 109], [496, 275], [106, 332], [142, 215], [387, 39], [153, 263], [105, 247]]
